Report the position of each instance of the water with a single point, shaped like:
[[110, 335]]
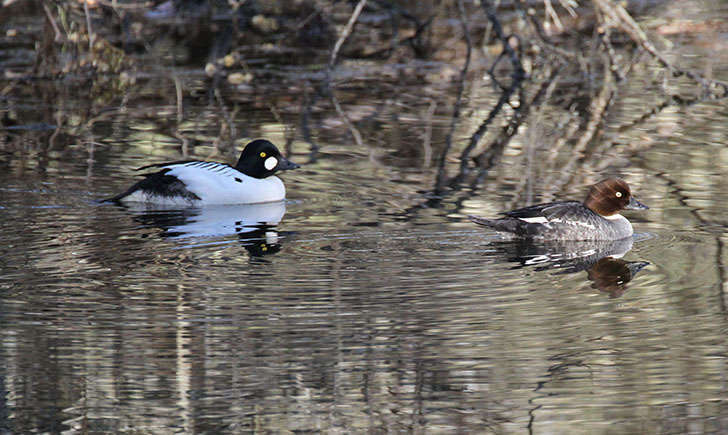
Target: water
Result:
[[364, 305], [349, 315]]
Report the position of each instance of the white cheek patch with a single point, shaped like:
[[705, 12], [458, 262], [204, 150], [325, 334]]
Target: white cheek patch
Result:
[[270, 163]]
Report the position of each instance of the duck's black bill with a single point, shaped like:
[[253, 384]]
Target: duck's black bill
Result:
[[285, 164], [636, 205]]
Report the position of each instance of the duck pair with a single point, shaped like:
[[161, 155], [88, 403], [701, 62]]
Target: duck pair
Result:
[[252, 180]]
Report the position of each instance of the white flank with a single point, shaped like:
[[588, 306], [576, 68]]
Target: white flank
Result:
[[535, 220], [222, 184], [576, 222], [149, 198], [144, 197], [270, 163]]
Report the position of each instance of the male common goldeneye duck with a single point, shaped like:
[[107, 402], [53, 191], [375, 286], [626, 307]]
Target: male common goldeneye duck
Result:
[[195, 183], [597, 218]]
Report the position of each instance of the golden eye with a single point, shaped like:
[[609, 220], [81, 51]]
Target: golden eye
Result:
[[262, 154], [619, 194]]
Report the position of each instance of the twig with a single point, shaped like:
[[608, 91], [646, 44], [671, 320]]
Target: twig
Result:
[[56, 30], [288, 131], [507, 133], [598, 110], [332, 62], [620, 16], [491, 155], [554, 16], [546, 42], [427, 139], [125, 6], [185, 142], [534, 140], [483, 127], [571, 130], [347, 31], [607, 157], [88, 27], [603, 33], [518, 72], [227, 117], [305, 121], [488, 158], [178, 92], [354, 132]]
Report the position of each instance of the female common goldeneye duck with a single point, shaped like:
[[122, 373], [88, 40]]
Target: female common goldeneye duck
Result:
[[194, 182], [597, 218]]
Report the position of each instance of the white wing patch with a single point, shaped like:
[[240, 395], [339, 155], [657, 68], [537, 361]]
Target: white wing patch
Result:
[[545, 221], [535, 220]]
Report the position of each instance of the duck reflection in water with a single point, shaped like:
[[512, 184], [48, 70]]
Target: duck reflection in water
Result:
[[602, 260], [254, 224]]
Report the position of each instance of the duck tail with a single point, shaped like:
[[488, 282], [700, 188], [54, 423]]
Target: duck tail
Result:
[[506, 225], [112, 200], [482, 221], [117, 198]]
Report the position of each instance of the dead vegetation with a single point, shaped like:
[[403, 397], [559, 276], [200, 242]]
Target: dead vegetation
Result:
[[556, 72]]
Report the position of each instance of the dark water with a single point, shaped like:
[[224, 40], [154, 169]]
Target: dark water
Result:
[[361, 306], [351, 315]]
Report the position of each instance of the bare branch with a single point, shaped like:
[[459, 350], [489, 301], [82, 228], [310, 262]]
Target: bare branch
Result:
[[347, 31], [620, 17]]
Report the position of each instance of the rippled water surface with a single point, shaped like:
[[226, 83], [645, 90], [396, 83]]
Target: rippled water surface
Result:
[[363, 303], [351, 313]]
